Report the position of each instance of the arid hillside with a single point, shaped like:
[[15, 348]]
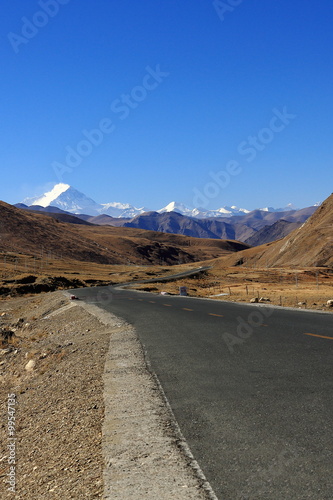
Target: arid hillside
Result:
[[275, 232], [311, 245], [23, 231]]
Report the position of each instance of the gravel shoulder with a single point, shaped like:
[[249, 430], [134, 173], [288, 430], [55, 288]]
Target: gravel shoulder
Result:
[[90, 420]]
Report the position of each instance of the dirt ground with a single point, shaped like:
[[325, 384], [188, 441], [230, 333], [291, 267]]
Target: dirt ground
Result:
[[18, 270], [307, 288], [59, 400], [81, 417]]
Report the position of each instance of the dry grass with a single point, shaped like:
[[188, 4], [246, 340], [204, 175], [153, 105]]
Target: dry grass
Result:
[[18, 265], [286, 287], [314, 286], [15, 267]]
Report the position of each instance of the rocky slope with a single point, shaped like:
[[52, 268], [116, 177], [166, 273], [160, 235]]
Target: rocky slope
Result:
[[278, 230], [309, 245]]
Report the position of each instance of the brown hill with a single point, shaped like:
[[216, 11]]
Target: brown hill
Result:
[[175, 223], [311, 245], [63, 217], [104, 220], [32, 233], [276, 231], [240, 227]]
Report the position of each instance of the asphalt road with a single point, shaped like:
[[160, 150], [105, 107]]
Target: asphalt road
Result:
[[171, 277], [250, 386]]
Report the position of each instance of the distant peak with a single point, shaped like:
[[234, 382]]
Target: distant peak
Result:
[[58, 188], [46, 199], [175, 206]]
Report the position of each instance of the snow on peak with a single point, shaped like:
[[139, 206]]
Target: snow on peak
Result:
[[116, 204], [290, 206], [71, 200], [46, 199], [174, 206]]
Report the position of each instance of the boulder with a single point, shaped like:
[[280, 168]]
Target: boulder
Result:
[[30, 365]]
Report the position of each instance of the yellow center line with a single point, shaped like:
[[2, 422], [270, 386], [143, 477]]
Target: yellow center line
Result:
[[167, 305], [320, 336], [141, 300], [219, 315], [152, 301], [186, 309]]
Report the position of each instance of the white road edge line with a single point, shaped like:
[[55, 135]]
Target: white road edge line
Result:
[[182, 441], [109, 318]]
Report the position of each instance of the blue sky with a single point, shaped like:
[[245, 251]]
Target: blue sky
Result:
[[184, 95]]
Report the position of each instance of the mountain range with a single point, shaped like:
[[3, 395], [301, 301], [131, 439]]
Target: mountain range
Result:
[[309, 245], [38, 233], [254, 227], [241, 228], [71, 200]]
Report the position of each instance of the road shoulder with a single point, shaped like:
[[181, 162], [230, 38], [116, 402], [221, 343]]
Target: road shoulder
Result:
[[145, 453], [90, 419]]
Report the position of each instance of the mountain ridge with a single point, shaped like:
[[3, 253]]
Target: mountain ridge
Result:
[[255, 224], [309, 245], [71, 200], [34, 233]]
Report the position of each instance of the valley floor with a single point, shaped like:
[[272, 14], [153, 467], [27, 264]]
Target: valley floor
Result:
[[291, 287], [307, 288]]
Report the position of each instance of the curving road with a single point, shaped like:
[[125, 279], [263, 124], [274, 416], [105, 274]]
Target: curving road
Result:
[[163, 279], [250, 386]]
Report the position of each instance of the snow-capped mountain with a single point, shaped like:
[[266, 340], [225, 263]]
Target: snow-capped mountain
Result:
[[177, 207], [116, 209], [66, 198], [290, 206], [71, 200], [202, 213]]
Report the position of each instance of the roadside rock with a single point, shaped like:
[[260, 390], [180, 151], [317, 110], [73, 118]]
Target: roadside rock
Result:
[[6, 334], [30, 365]]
